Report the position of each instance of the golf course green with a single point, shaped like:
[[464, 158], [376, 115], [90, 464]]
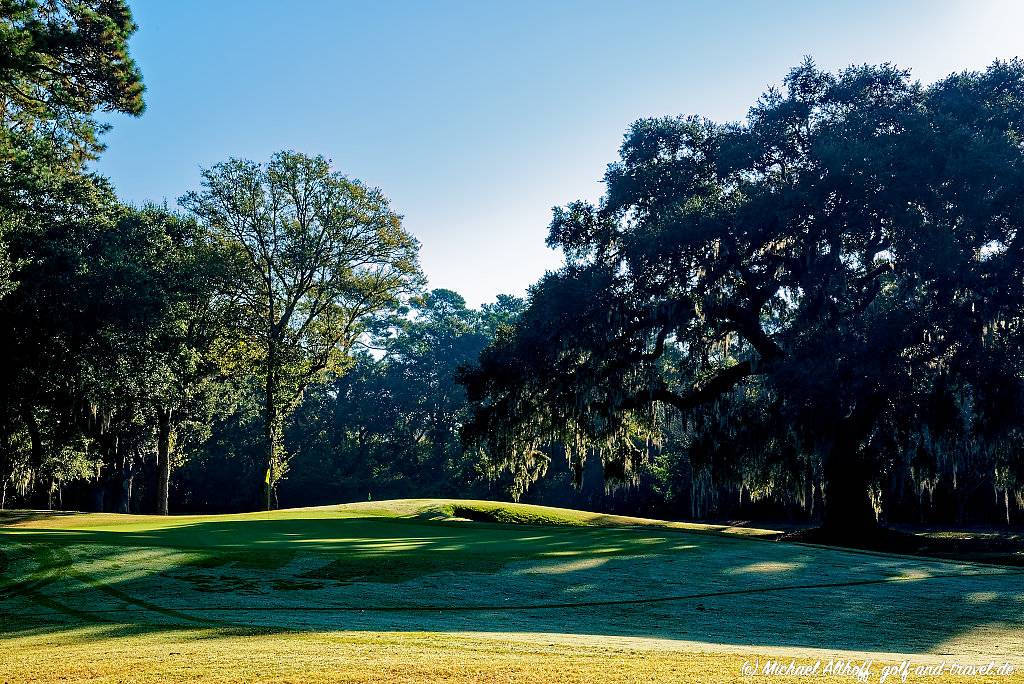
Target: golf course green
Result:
[[432, 590]]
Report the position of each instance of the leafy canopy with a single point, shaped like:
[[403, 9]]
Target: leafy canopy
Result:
[[317, 254], [852, 247]]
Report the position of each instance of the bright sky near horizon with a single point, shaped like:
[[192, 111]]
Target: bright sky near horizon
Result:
[[477, 117]]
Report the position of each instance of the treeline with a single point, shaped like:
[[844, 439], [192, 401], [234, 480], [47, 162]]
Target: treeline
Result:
[[815, 313], [129, 332], [819, 309], [389, 426], [271, 342]]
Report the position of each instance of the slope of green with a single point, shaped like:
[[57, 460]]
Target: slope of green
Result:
[[409, 585]]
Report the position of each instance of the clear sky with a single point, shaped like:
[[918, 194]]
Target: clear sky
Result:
[[477, 117]]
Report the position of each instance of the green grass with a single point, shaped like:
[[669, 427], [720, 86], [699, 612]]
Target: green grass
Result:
[[465, 591]]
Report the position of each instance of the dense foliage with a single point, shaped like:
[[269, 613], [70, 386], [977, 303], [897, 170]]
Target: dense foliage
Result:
[[818, 308], [133, 337], [822, 303], [388, 427], [318, 253]]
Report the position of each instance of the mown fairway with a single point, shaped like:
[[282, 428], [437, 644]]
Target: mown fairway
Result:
[[408, 590]]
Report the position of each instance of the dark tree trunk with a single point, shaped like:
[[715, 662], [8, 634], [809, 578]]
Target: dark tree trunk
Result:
[[163, 460], [848, 509], [125, 480], [33, 433], [5, 473], [849, 512], [36, 496], [271, 435], [270, 405]]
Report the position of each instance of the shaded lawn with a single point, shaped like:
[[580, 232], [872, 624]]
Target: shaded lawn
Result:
[[408, 567]]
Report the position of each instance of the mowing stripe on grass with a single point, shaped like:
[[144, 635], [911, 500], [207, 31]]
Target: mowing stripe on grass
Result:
[[56, 564], [140, 603], [560, 606]]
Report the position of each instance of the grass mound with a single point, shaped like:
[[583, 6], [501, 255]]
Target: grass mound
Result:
[[516, 514], [506, 513]]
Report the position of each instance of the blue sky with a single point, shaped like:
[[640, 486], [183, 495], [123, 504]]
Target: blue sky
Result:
[[476, 118]]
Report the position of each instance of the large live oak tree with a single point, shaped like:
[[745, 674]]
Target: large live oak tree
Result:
[[848, 257]]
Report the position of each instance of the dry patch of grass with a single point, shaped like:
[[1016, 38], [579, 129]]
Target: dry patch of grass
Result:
[[102, 656]]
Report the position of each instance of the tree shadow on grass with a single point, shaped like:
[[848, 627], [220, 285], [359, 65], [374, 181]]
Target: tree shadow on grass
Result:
[[382, 574], [14, 517]]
